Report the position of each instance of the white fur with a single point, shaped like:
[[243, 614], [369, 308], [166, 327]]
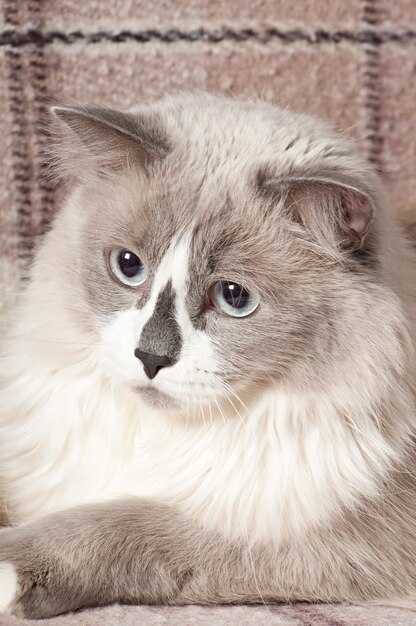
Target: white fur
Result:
[[78, 446], [267, 470], [8, 586]]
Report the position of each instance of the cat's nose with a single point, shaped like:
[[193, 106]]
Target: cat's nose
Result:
[[152, 363]]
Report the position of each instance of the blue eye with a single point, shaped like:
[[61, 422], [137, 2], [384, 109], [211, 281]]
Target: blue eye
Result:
[[233, 299], [127, 268]]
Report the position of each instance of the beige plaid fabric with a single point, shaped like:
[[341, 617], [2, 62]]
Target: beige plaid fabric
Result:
[[353, 62]]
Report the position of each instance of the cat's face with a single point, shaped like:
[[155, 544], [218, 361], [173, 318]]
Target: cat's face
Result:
[[204, 279], [214, 290]]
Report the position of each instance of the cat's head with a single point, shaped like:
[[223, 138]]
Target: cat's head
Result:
[[221, 245]]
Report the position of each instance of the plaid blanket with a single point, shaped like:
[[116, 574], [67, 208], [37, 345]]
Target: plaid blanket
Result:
[[353, 63]]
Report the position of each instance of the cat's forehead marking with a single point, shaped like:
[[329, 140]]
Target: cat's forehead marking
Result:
[[172, 273], [173, 266]]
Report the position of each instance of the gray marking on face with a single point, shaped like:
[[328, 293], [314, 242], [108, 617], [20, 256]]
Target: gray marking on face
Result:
[[161, 334]]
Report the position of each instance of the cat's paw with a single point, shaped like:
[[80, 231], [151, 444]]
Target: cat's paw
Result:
[[11, 578], [8, 587], [22, 572], [33, 580]]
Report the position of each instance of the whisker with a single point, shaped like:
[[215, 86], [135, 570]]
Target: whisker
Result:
[[221, 412], [231, 390], [210, 412], [237, 411]]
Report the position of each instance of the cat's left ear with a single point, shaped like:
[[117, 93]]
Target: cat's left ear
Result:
[[334, 212], [103, 140]]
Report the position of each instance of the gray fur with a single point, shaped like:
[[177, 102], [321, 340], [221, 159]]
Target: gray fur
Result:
[[111, 139], [161, 334]]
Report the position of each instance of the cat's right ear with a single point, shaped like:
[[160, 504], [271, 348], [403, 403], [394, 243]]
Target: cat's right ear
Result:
[[96, 140]]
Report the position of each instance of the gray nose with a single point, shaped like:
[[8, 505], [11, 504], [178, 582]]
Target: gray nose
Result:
[[152, 363]]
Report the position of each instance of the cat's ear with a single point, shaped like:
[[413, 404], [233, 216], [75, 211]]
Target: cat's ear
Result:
[[334, 212], [103, 140]]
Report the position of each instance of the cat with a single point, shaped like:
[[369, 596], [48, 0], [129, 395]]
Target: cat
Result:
[[208, 383]]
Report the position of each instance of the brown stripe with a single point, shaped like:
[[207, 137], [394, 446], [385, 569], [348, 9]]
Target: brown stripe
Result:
[[372, 84], [38, 80], [20, 157], [21, 161], [26, 75], [367, 36]]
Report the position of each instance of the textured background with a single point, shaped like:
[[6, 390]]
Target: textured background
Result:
[[351, 61]]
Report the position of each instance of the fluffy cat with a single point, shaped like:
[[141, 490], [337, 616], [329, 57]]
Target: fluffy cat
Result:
[[208, 384]]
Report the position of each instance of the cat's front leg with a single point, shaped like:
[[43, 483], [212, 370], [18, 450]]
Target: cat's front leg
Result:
[[134, 551]]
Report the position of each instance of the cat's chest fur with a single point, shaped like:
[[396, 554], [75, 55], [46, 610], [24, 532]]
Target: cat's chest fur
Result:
[[80, 439]]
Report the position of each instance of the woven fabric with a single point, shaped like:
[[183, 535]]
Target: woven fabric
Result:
[[271, 615], [351, 62]]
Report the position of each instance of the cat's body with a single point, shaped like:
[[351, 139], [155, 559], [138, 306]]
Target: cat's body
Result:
[[275, 453]]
